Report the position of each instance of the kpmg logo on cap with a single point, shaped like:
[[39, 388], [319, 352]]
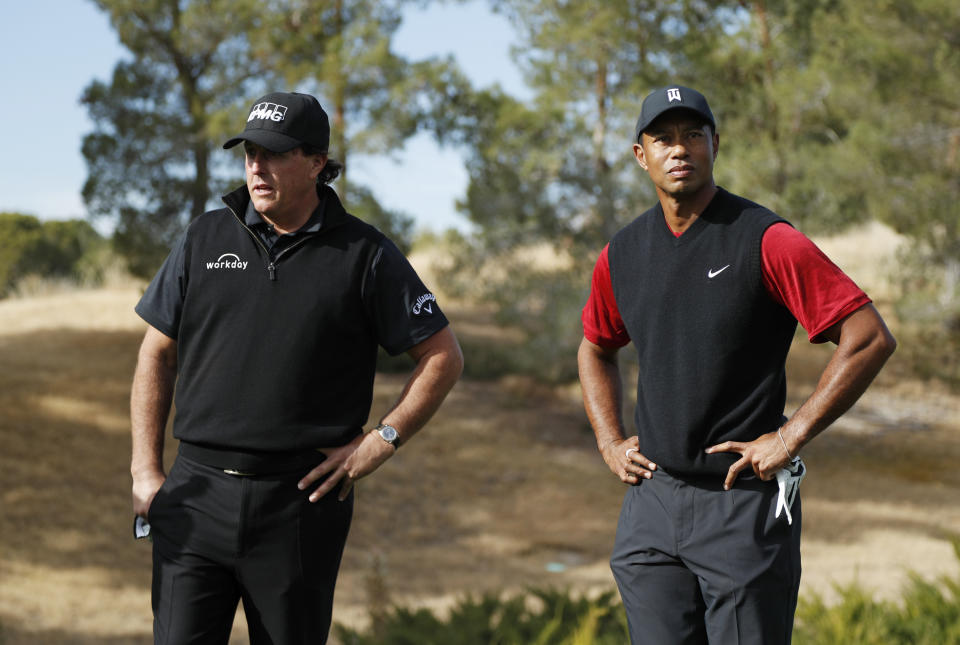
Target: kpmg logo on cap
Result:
[[270, 111], [673, 94]]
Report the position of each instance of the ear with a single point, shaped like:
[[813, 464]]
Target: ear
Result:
[[319, 163], [640, 155], [716, 145]]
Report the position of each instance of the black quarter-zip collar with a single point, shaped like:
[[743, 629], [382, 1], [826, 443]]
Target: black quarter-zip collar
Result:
[[314, 223], [328, 215]]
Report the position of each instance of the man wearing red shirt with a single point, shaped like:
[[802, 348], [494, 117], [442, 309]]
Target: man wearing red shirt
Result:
[[709, 288]]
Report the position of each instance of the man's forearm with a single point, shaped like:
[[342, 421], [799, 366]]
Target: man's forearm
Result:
[[439, 363], [863, 346], [602, 392], [150, 399]]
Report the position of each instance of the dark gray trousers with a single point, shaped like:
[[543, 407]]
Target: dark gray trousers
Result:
[[696, 564], [219, 539]]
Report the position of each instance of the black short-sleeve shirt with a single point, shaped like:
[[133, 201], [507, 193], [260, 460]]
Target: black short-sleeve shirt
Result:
[[396, 296], [277, 350]]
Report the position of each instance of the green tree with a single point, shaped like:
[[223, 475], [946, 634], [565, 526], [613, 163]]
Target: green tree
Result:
[[836, 112], [68, 248], [841, 112], [830, 113], [154, 157], [775, 116], [151, 157], [907, 139], [341, 51], [19, 240], [586, 64], [53, 249], [557, 171]]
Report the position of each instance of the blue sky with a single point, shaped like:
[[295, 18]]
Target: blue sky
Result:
[[51, 49]]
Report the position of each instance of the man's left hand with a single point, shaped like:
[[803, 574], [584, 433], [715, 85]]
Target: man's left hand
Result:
[[347, 463], [765, 454]]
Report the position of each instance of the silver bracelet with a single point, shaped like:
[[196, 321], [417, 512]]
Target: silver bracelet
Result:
[[784, 443]]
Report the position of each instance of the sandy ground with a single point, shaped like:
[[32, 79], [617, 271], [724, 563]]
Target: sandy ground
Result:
[[504, 490]]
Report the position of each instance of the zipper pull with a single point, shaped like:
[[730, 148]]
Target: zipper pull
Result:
[[272, 268]]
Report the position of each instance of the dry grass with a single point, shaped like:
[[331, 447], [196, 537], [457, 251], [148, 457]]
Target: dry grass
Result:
[[504, 490], [866, 253]]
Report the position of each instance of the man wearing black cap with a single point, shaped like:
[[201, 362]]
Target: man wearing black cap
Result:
[[709, 287], [268, 315]]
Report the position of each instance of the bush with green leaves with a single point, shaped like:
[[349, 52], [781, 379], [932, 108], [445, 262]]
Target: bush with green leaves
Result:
[[540, 617], [51, 249], [928, 309], [928, 613]]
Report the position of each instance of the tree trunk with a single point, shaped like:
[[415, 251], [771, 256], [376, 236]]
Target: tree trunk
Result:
[[766, 47], [199, 194], [200, 150], [600, 127], [773, 117], [604, 211], [196, 108], [339, 133]]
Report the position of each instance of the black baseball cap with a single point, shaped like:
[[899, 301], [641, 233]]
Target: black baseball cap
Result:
[[281, 121], [668, 98]]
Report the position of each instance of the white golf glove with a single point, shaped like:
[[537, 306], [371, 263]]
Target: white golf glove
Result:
[[788, 479]]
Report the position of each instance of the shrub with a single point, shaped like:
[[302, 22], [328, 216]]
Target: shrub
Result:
[[927, 614], [69, 249], [540, 617], [929, 312]]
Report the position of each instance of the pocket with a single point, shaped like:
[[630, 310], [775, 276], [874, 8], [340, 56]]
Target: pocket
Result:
[[151, 511], [161, 493], [323, 528]]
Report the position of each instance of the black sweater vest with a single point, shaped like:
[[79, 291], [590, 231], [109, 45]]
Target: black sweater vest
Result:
[[275, 356], [711, 342]]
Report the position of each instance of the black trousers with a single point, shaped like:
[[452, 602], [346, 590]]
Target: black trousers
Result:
[[696, 564], [219, 539]]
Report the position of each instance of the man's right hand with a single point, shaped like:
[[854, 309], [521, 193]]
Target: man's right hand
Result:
[[145, 488], [625, 460]]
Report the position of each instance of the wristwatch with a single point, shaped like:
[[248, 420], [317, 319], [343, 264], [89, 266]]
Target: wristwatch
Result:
[[389, 434]]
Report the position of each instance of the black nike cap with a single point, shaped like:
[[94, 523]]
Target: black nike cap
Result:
[[671, 97]]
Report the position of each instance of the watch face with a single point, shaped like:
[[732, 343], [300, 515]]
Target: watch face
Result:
[[389, 433]]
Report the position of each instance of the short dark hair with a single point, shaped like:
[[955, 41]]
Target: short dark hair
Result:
[[330, 171]]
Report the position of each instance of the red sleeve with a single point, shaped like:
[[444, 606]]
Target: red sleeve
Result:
[[602, 324], [802, 278]]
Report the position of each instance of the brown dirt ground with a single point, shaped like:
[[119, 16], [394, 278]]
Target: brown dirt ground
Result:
[[504, 489]]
